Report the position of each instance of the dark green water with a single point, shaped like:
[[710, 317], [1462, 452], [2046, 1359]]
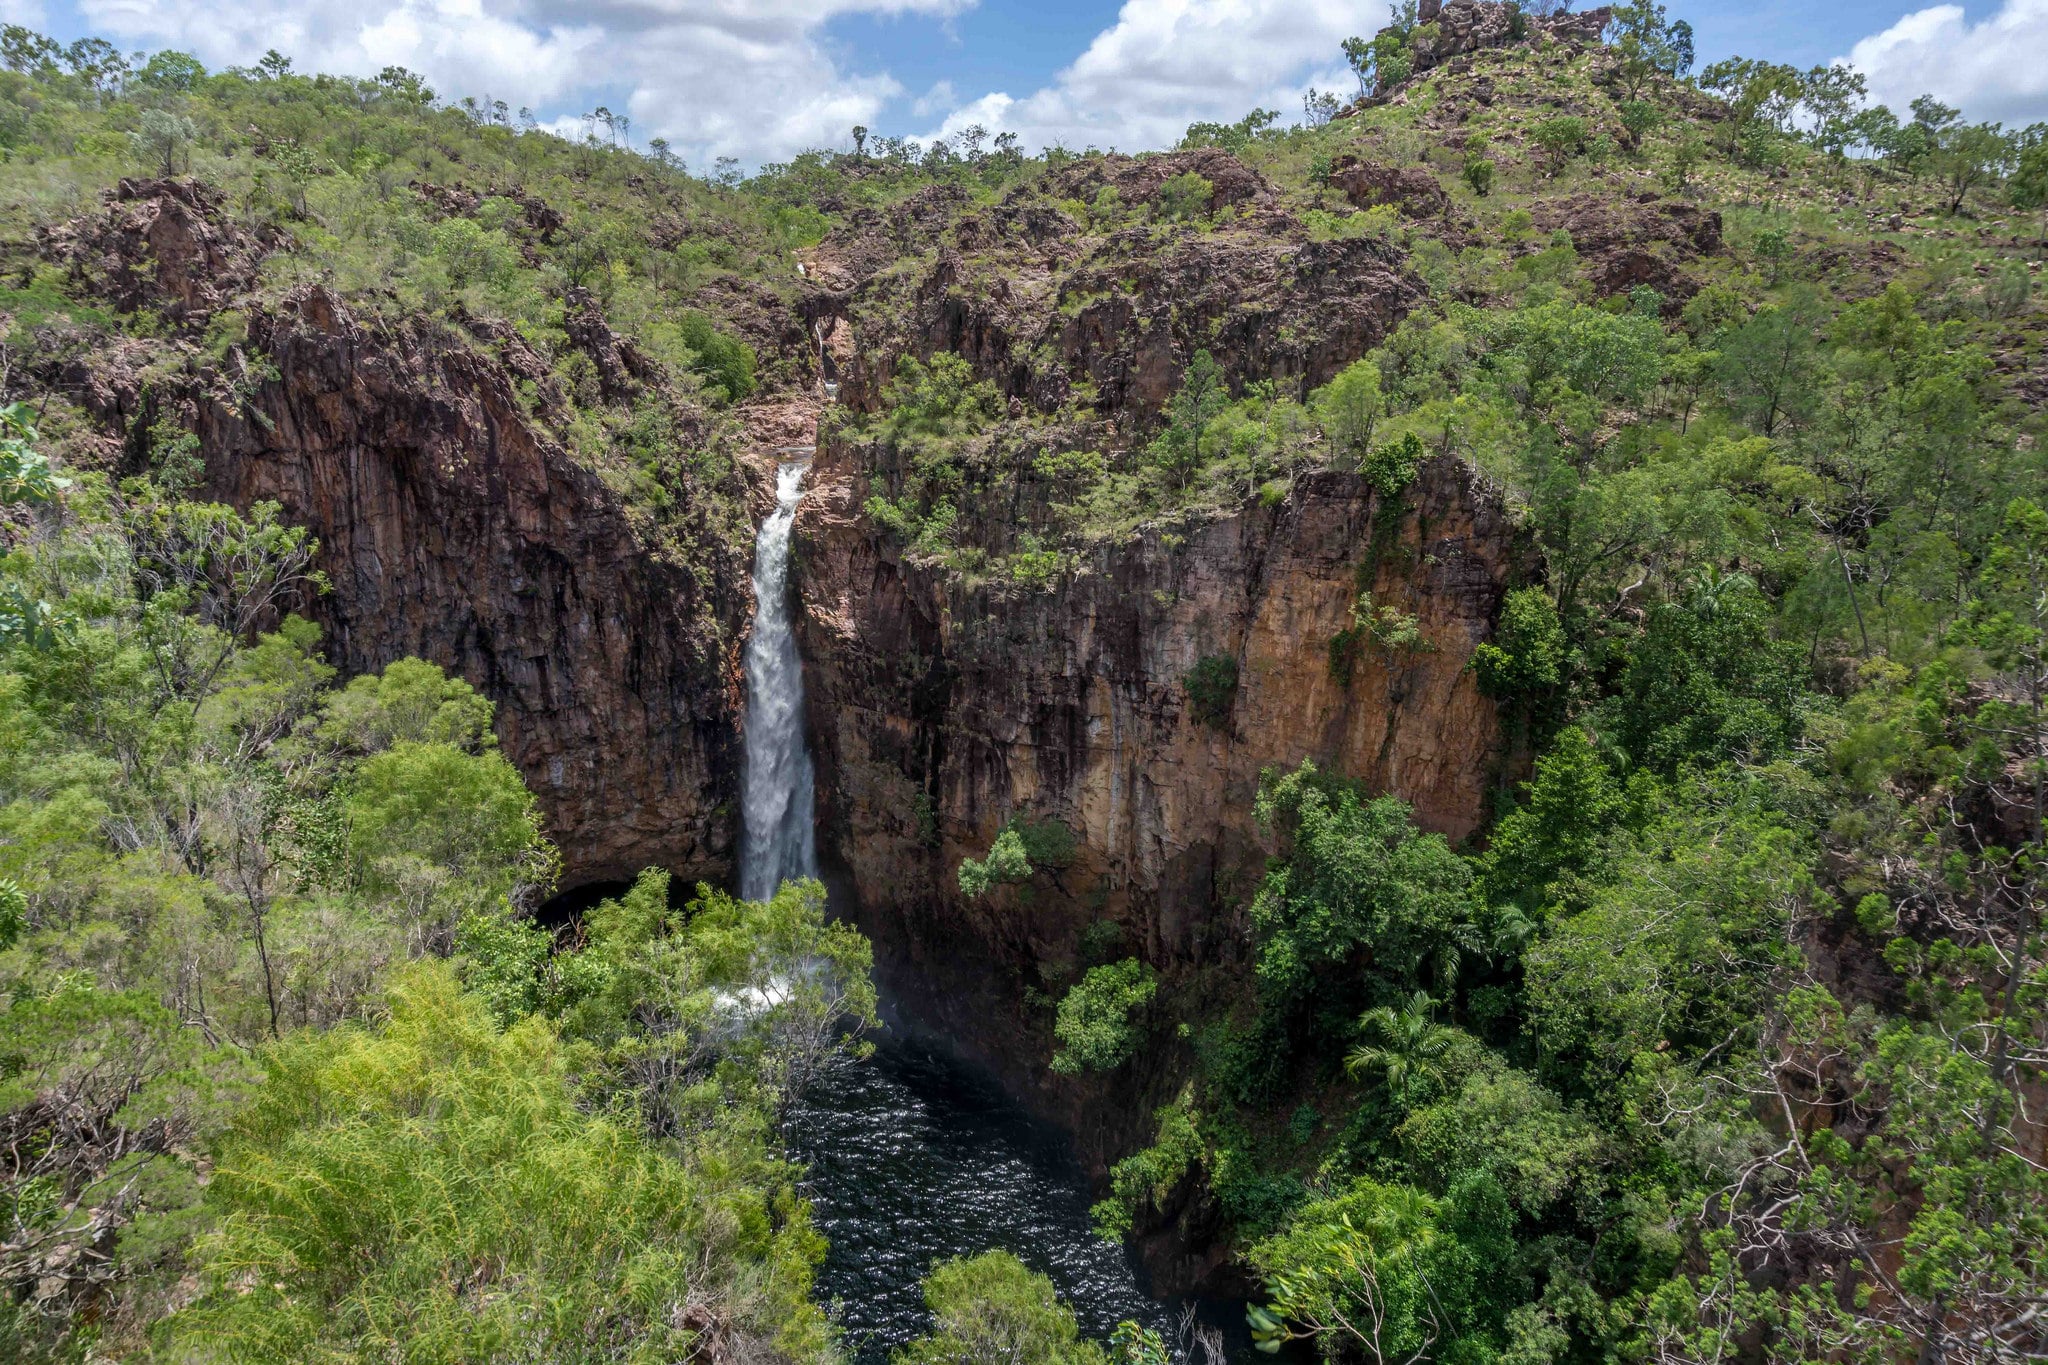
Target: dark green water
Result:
[[915, 1157]]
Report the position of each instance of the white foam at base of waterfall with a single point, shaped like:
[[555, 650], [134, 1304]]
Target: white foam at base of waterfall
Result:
[[778, 842]]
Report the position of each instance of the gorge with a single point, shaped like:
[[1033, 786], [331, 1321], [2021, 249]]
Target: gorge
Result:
[[1414, 735]]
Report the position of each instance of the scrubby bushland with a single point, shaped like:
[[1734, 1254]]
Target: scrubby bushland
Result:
[[288, 1071]]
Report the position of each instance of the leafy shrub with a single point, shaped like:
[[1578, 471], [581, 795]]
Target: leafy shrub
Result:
[[1525, 659], [1358, 873], [725, 363], [1185, 197], [1212, 689], [1392, 464], [1006, 863], [992, 1307], [1560, 139], [1349, 406], [1147, 1178], [1095, 1026], [374, 1175]]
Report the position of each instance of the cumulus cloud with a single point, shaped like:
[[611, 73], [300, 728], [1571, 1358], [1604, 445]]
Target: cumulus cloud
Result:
[[750, 78], [1167, 63], [1996, 68]]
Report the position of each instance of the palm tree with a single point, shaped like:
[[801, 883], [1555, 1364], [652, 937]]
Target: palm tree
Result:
[[1404, 1045]]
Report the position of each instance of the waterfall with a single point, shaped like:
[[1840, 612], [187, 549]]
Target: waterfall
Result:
[[775, 788]]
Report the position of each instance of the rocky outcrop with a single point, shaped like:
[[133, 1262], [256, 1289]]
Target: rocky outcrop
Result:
[[161, 244], [1464, 26], [940, 711], [1410, 188], [1137, 180], [1623, 244], [1010, 290], [452, 530]]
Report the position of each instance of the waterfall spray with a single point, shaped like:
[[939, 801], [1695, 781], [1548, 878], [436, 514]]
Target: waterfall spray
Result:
[[775, 788]]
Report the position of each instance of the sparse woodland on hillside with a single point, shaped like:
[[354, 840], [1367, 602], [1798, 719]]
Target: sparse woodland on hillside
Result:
[[1722, 1038]]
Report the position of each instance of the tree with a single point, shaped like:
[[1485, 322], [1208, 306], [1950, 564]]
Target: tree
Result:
[[25, 50], [860, 139], [1387, 1273], [1359, 55], [1683, 157], [1094, 1026], [98, 63], [1555, 832], [1349, 407], [1479, 172], [1681, 44], [171, 71], [1638, 118], [406, 88], [1320, 169], [991, 1309], [1678, 944], [1318, 107], [1966, 157], [1641, 37], [1201, 399], [437, 1144], [1767, 366], [1707, 682], [1404, 1046], [1833, 96], [2028, 186], [1007, 862], [1560, 139], [1357, 873]]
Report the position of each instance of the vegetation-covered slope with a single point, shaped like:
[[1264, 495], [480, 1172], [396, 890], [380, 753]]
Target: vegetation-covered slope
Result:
[[1722, 1038]]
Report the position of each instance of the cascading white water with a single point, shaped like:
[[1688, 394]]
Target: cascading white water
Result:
[[778, 842]]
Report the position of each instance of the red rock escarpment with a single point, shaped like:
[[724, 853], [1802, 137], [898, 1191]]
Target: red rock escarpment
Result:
[[452, 525], [939, 711], [453, 531]]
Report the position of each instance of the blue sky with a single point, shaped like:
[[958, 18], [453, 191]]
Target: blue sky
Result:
[[760, 79], [1017, 44]]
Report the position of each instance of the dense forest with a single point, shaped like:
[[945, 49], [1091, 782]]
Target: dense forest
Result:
[[1721, 1039]]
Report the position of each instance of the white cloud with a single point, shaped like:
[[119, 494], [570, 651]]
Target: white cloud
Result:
[[1994, 69], [940, 96], [1167, 63], [751, 78], [28, 13]]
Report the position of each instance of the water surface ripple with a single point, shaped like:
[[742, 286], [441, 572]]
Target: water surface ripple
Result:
[[916, 1157]]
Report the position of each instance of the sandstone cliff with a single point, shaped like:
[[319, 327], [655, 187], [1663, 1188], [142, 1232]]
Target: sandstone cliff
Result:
[[940, 711], [453, 525]]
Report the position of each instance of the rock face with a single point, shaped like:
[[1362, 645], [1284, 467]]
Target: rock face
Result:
[[1626, 243], [939, 712], [1463, 26], [1368, 183], [453, 528], [1010, 292], [451, 531], [160, 243]]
